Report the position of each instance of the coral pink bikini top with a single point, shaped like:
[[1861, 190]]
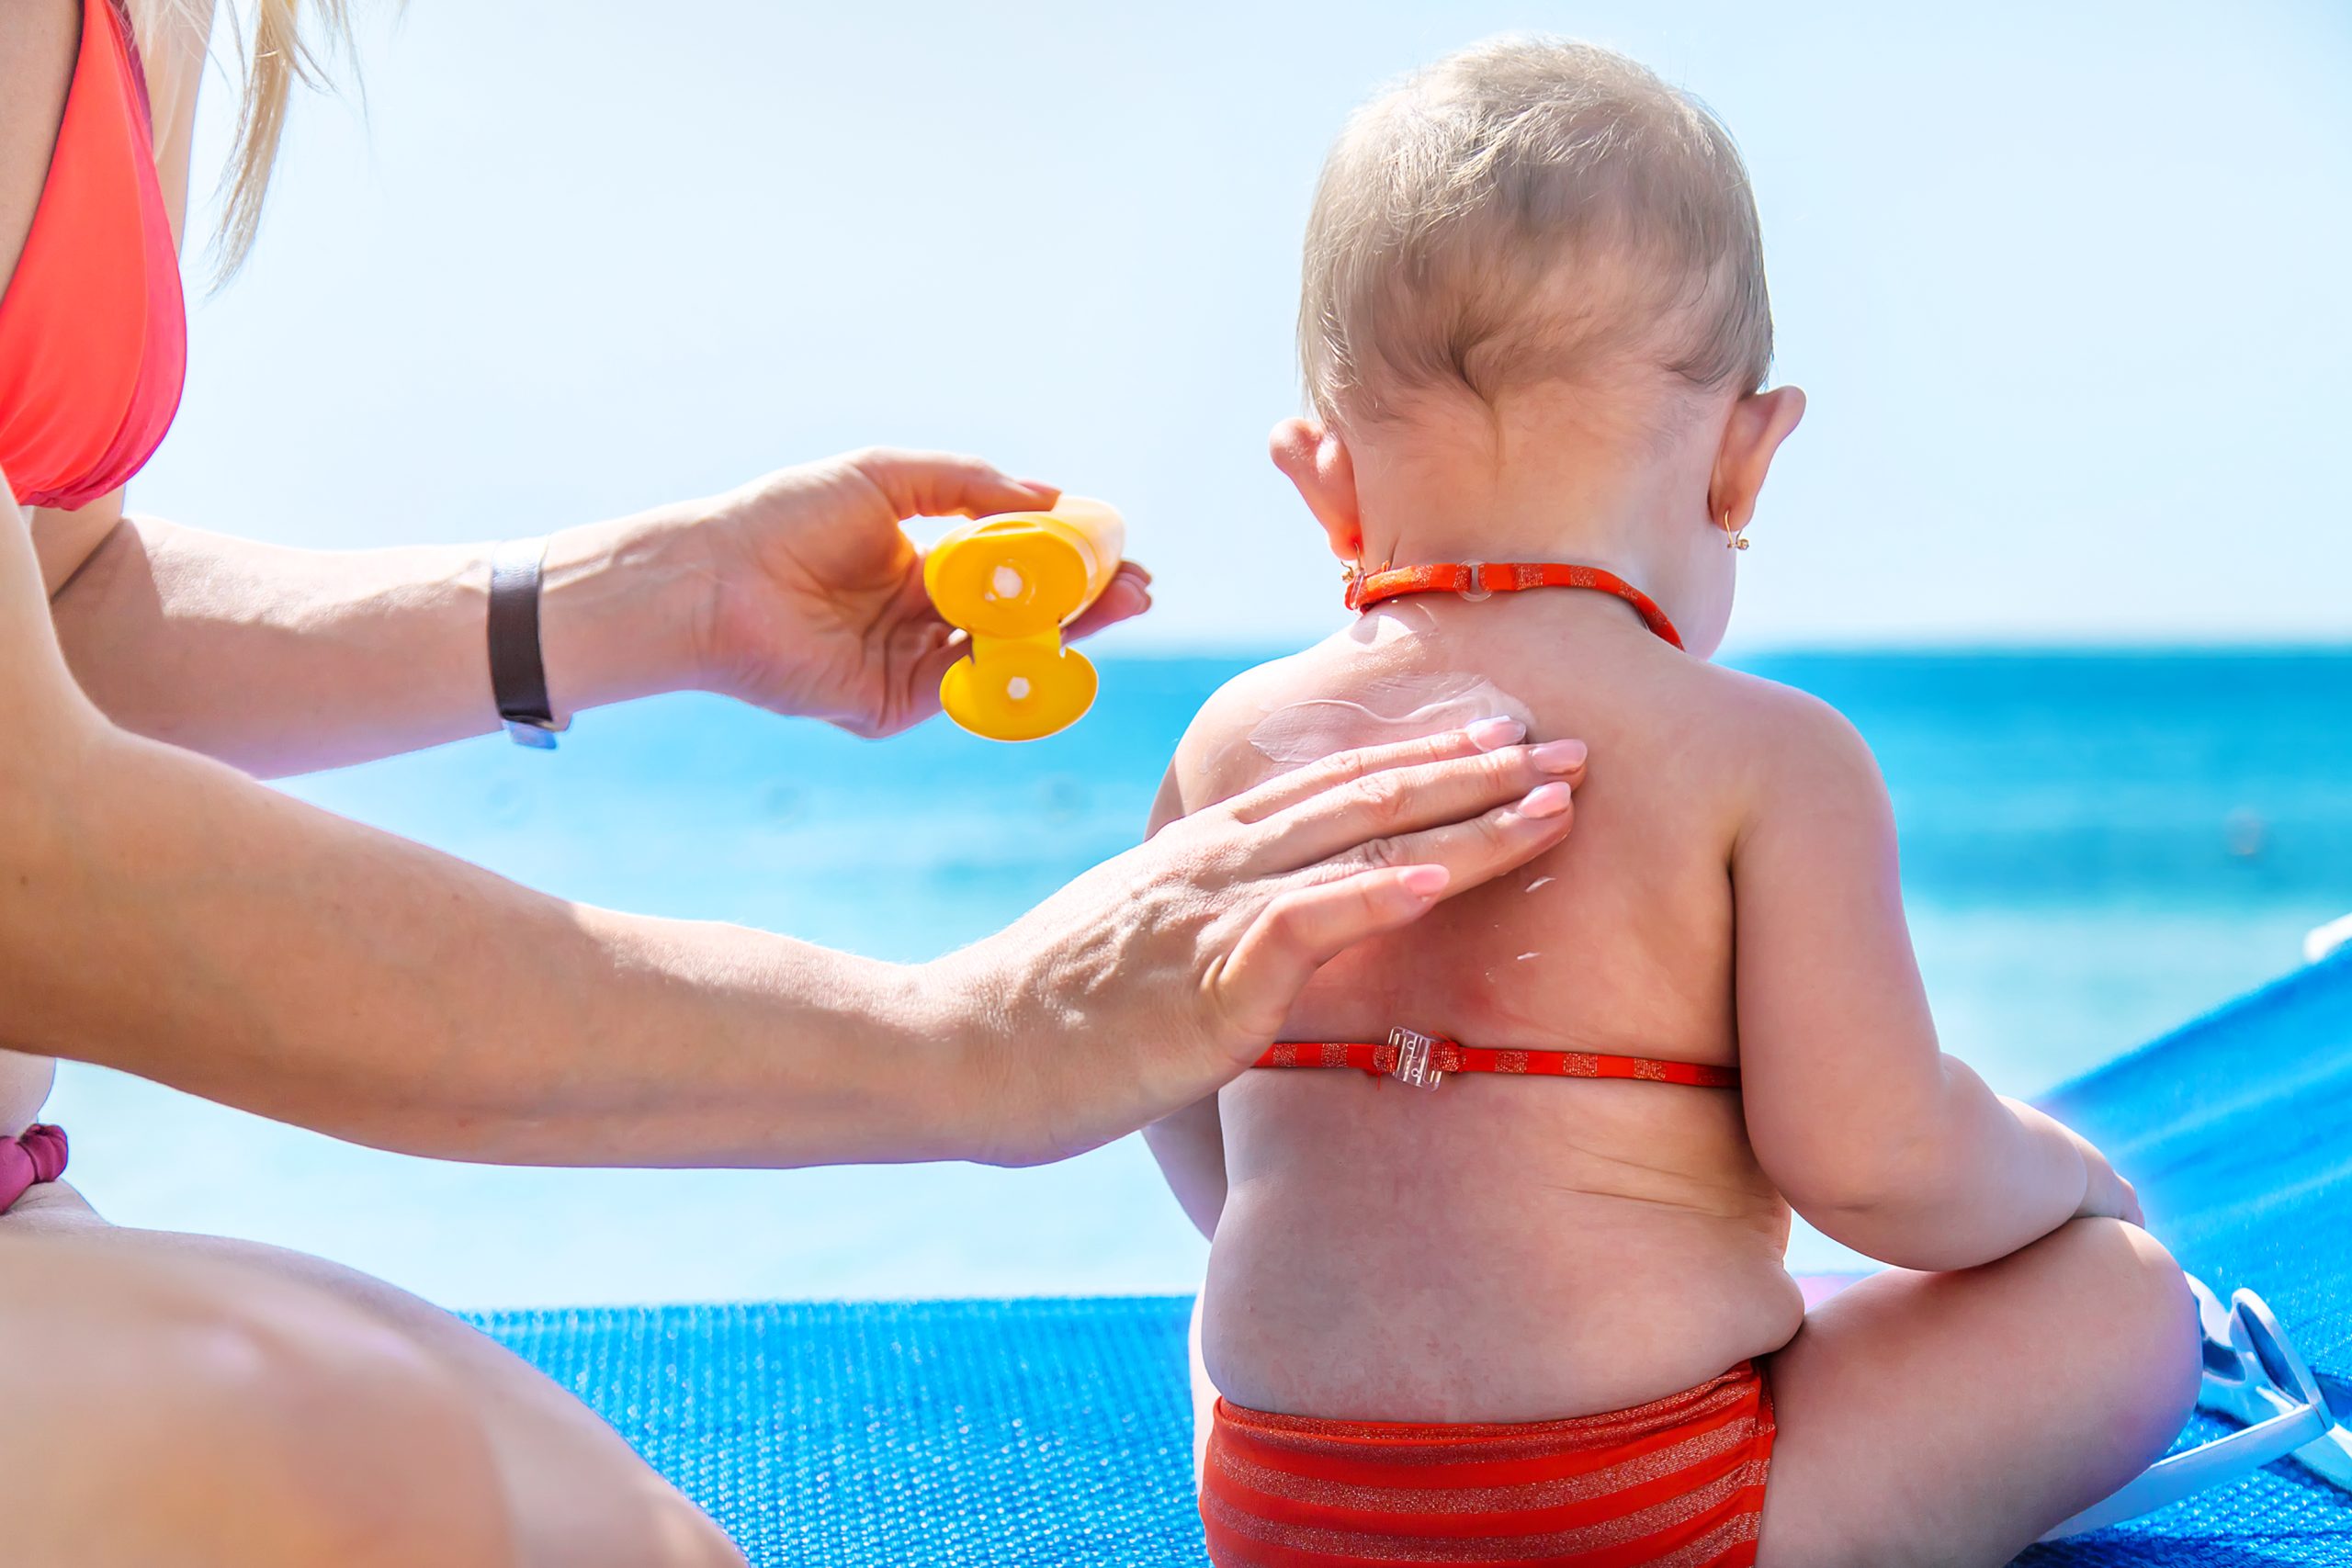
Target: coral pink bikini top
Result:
[[93, 326], [1423, 1060]]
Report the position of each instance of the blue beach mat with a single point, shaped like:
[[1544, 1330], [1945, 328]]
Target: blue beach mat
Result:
[[903, 1435], [2237, 1129], [1059, 1432]]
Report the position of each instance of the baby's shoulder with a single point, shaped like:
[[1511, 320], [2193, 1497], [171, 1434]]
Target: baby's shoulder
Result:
[[1752, 709], [1775, 737], [1213, 760]]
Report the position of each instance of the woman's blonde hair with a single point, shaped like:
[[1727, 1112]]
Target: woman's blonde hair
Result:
[[275, 50]]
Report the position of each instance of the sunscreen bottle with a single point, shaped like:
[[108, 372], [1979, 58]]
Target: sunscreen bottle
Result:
[[1013, 581]]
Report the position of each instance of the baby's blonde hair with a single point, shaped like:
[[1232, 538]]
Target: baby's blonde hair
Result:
[[1528, 209]]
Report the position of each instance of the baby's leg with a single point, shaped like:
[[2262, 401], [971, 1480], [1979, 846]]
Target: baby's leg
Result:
[[1951, 1419]]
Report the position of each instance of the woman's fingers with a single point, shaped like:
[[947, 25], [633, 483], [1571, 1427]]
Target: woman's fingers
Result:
[[1300, 932], [1381, 810], [1371, 889], [946, 484], [1128, 596], [1472, 851], [1318, 779]]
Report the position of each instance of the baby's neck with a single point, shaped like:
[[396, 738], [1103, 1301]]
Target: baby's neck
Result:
[[1601, 515], [1518, 488]]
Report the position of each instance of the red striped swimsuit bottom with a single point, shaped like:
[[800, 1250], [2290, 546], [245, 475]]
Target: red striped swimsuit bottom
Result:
[[1678, 1482]]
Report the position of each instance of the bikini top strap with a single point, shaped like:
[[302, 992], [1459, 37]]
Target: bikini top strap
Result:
[[1477, 581], [1423, 1060]]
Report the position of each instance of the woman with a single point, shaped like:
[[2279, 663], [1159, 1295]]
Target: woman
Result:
[[204, 1401]]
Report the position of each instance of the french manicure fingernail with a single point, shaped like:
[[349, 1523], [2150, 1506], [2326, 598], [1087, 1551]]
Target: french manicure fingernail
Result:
[[1559, 756], [1546, 800], [1494, 734]]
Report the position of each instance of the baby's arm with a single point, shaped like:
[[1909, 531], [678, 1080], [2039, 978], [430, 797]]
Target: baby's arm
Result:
[[1190, 1148], [1872, 1133], [1190, 1144]]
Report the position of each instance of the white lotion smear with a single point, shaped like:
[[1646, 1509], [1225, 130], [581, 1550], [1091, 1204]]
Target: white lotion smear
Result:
[[1394, 709]]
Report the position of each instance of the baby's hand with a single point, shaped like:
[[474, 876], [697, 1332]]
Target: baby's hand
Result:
[[2106, 1195]]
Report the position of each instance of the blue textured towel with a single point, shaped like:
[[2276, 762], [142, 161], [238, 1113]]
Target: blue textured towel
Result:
[[1052, 1432], [2237, 1130], [890, 1435]]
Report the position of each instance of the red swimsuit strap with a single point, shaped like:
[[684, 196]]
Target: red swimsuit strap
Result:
[[1476, 580], [36, 1155], [1446, 1057]]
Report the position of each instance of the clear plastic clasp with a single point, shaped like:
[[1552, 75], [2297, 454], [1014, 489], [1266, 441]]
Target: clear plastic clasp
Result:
[[1413, 1049], [1472, 589]]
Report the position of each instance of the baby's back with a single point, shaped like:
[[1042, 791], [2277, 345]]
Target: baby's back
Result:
[[1506, 1249]]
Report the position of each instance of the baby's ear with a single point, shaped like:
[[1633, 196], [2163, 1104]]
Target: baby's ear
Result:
[[1760, 423], [1316, 459]]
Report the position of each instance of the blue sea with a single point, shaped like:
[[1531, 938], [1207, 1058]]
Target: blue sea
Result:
[[2096, 846]]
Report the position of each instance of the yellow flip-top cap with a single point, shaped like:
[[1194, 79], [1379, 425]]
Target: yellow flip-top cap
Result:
[[1011, 583], [1022, 689]]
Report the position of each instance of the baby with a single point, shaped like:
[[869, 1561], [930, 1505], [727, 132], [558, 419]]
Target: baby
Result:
[[1497, 1267]]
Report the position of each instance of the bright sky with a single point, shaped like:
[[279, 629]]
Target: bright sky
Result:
[[2067, 285]]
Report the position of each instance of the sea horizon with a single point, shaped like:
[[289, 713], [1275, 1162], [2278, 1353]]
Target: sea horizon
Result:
[[2097, 846]]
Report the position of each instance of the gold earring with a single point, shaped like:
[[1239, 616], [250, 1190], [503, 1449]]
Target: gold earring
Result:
[[1733, 539]]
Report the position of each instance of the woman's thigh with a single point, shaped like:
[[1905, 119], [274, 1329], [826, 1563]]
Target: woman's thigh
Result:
[[78, 1296], [1951, 1419]]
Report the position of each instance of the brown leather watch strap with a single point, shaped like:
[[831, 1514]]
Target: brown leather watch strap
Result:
[[518, 676]]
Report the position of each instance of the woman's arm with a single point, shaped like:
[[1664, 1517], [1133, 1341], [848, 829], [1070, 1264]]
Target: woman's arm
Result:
[[1874, 1134], [163, 914], [284, 660], [798, 592]]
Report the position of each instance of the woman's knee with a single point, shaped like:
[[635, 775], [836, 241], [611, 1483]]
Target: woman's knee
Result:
[[209, 1419], [380, 1456]]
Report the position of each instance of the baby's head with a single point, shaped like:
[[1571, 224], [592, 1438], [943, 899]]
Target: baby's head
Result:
[[1535, 320]]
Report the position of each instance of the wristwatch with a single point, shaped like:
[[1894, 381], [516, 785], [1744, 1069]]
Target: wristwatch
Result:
[[518, 674]]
